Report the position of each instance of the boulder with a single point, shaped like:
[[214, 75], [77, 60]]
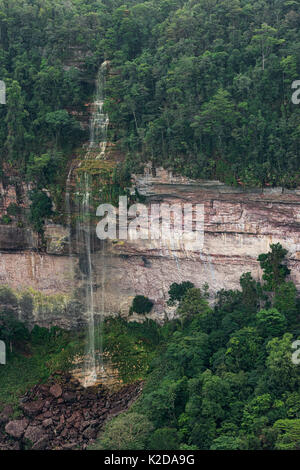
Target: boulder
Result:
[[16, 428], [32, 408], [47, 422], [41, 444], [6, 413], [89, 433], [35, 433], [44, 389], [56, 390], [69, 397]]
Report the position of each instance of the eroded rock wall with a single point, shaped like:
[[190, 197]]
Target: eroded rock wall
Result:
[[239, 225]]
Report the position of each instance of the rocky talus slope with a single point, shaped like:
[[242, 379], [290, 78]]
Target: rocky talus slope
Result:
[[63, 415]]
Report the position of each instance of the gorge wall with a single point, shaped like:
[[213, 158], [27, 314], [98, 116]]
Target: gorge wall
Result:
[[239, 225]]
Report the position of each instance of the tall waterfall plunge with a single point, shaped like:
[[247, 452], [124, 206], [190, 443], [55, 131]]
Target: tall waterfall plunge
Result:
[[97, 145], [99, 121]]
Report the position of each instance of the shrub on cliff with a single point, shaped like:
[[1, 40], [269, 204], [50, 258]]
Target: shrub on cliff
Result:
[[141, 305], [178, 291], [14, 210], [6, 219], [7, 297], [40, 209]]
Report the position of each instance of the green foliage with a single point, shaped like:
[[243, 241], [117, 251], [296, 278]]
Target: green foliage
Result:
[[271, 322], [275, 271], [129, 431], [193, 303], [26, 303], [252, 292], [288, 434], [40, 209], [8, 297], [32, 361], [13, 209], [285, 301], [6, 219], [43, 169], [15, 117], [178, 291], [42, 352], [208, 102], [282, 373], [12, 331], [219, 378], [244, 349], [130, 346], [164, 439], [141, 305], [223, 378]]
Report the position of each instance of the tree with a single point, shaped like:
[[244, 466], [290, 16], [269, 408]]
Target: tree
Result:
[[141, 305], [189, 352], [15, 121], [164, 439], [271, 323], [40, 209], [178, 291], [285, 301], [225, 442], [12, 330], [129, 431], [60, 124], [265, 38], [193, 303], [288, 434], [43, 169], [251, 290], [275, 271], [282, 374], [244, 349], [217, 118]]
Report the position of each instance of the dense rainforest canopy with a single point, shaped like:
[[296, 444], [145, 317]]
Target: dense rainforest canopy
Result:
[[200, 86]]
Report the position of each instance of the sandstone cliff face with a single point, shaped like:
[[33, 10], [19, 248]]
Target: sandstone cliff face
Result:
[[239, 225]]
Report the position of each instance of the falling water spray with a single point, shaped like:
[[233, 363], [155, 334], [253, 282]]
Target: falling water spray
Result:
[[84, 228]]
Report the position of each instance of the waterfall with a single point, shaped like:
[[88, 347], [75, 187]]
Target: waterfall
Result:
[[68, 214], [99, 121], [84, 228], [97, 146]]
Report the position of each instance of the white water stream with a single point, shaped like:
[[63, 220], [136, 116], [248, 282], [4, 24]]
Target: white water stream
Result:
[[93, 364]]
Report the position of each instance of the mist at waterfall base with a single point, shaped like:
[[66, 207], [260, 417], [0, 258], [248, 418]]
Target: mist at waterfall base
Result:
[[93, 367]]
